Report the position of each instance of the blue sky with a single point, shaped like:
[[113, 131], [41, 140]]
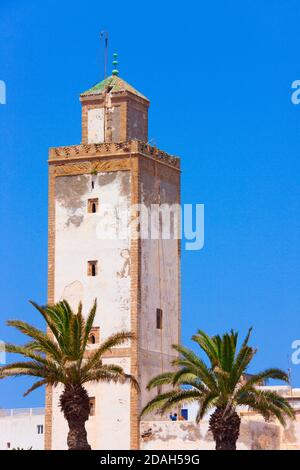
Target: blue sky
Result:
[[219, 78]]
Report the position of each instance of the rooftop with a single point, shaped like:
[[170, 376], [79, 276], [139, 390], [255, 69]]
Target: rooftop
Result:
[[4, 412], [112, 84]]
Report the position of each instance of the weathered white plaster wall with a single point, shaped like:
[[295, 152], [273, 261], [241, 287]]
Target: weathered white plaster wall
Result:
[[109, 428], [290, 436], [19, 428], [114, 413], [95, 125], [76, 242], [255, 434], [160, 277]]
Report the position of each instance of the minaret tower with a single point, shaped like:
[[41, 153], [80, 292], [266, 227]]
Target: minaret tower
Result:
[[135, 279]]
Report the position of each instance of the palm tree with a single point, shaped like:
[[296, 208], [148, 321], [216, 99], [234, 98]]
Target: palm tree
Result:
[[60, 357], [223, 385]]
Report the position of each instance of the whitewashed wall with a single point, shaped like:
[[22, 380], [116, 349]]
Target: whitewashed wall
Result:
[[19, 427], [77, 242], [95, 125], [160, 272]]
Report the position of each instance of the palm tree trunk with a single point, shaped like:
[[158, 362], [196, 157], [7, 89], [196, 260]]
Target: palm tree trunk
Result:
[[225, 429], [77, 436], [74, 402]]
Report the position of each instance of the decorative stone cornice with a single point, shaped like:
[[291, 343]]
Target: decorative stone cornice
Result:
[[116, 97], [110, 149]]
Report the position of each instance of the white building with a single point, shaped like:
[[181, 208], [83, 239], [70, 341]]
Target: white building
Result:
[[22, 428], [136, 280]]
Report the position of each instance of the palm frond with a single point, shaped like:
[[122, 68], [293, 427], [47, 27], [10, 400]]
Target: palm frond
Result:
[[180, 397], [246, 340], [207, 344], [242, 361], [59, 356], [29, 353], [183, 375], [113, 341], [89, 324], [110, 373], [157, 402], [272, 373], [206, 402], [162, 379], [204, 374], [267, 403], [220, 383], [46, 344], [36, 385]]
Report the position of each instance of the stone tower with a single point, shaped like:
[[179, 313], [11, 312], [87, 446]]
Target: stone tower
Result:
[[135, 279]]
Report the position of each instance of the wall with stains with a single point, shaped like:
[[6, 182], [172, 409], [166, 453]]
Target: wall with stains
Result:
[[116, 124], [290, 436], [109, 427], [255, 434], [79, 239], [137, 122], [160, 277], [95, 125]]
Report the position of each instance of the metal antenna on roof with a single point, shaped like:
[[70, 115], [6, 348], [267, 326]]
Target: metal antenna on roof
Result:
[[104, 35]]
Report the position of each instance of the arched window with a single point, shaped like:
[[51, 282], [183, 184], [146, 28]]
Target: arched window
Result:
[[94, 336], [92, 339], [93, 205]]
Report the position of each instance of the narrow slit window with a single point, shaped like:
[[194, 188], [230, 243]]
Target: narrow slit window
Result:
[[92, 268], [93, 184], [159, 318], [93, 205], [40, 429], [92, 403]]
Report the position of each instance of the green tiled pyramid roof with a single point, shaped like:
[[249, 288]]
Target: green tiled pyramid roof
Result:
[[114, 82]]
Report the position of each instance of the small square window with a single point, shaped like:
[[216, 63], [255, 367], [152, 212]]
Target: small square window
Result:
[[93, 205], [159, 318], [92, 268], [92, 403]]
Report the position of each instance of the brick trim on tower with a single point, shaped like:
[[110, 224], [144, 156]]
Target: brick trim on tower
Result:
[[51, 274], [135, 309], [85, 159]]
